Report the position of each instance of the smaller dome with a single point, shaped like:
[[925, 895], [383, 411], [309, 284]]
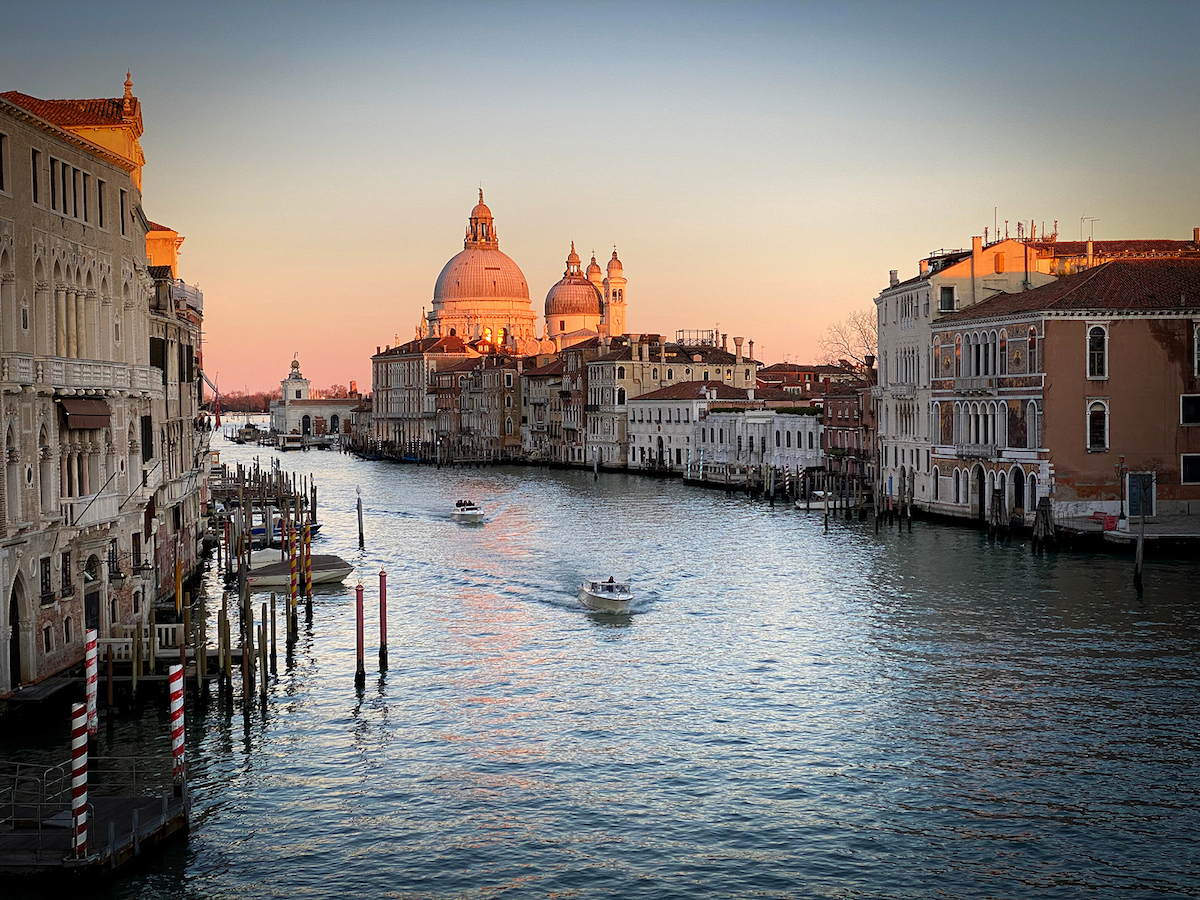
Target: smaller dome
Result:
[[593, 269], [295, 364], [481, 211], [573, 296], [614, 264], [573, 258]]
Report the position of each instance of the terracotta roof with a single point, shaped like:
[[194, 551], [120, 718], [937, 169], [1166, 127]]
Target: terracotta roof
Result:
[[154, 226], [448, 344], [694, 390], [1114, 248], [73, 113], [1134, 285], [554, 368]]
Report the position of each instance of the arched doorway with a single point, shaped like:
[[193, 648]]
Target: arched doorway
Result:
[[980, 491], [335, 425], [14, 637], [660, 451], [306, 426], [1018, 491]]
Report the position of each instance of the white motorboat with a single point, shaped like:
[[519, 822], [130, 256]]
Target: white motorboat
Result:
[[326, 569], [467, 512], [605, 596]]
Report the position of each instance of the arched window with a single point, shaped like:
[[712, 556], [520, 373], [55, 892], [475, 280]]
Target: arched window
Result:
[[620, 371], [1033, 362], [1003, 353], [778, 438], [789, 438], [507, 425], [957, 486], [1033, 492], [620, 396], [654, 374], [810, 440], [1031, 426], [936, 492], [1097, 426], [958, 356], [1097, 352]]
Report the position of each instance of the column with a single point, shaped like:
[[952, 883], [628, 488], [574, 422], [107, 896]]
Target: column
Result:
[[81, 325], [72, 319], [60, 321]]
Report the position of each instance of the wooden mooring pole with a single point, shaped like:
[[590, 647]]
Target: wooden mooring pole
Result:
[[360, 674], [383, 654]]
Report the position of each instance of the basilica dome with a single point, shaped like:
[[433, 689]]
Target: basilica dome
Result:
[[574, 295], [480, 271]]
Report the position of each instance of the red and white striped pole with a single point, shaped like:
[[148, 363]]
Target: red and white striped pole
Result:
[[175, 679], [79, 755], [360, 674], [89, 680], [383, 662]]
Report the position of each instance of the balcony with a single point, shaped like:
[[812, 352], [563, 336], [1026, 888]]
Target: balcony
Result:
[[591, 407], [902, 391], [975, 451], [90, 510], [980, 384]]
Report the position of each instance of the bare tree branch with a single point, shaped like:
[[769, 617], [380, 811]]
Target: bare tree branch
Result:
[[853, 339]]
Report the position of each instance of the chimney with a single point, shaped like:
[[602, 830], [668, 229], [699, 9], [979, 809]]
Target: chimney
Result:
[[1033, 231], [1196, 235], [353, 389], [893, 280], [752, 349], [924, 267], [1090, 255], [724, 345], [377, 349], [976, 245], [737, 343]]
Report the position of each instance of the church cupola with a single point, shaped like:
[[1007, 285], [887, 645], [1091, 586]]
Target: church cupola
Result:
[[481, 232], [572, 263]]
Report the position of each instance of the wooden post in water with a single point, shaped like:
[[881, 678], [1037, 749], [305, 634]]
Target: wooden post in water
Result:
[[109, 667], [273, 669], [360, 674], [358, 490], [307, 572], [136, 659], [153, 642], [262, 650], [383, 655]]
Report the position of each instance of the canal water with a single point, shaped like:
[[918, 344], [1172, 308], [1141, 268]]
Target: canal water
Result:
[[785, 713]]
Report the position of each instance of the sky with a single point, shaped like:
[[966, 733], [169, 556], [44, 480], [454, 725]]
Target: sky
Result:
[[759, 167]]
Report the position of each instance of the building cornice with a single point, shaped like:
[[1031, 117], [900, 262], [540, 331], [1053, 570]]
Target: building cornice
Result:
[[20, 112]]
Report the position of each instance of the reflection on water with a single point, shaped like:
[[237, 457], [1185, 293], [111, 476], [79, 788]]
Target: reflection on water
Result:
[[785, 712]]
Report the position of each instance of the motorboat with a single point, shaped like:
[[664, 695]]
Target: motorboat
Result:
[[605, 596], [467, 512], [326, 569]]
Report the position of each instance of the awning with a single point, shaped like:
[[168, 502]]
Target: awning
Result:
[[85, 413]]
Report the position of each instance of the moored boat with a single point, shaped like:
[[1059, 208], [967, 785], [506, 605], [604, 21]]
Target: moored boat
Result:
[[326, 569], [605, 596]]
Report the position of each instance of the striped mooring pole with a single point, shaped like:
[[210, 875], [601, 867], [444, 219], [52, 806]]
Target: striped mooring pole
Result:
[[175, 679], [79, 756], [293, 549], [307, 572], [90, 685]]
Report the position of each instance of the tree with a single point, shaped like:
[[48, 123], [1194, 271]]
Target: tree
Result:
[[852, 340]]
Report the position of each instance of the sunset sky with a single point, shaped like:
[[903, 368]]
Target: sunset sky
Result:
[[758, 166]]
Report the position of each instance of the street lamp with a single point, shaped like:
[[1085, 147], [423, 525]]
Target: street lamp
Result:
[[1121, 469]]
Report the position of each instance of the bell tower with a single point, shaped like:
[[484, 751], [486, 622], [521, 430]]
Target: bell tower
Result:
[[614, 296]]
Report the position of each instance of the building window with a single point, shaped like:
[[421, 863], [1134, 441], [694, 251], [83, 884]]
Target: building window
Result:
[[100, 223], [35, 165], [957, 486], [123, 210], [508, 379], [1189, 409], [946, 299], [87, 183], [4, 176], [67, 587], [670, 374], [1097, 427], [1097, 352], [1190, 467], [47, 588], [1033, 363], [47, 639], [935, 483], [68, 630]]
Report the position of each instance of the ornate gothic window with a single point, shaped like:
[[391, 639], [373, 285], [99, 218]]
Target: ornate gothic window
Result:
[[1097, 352]]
